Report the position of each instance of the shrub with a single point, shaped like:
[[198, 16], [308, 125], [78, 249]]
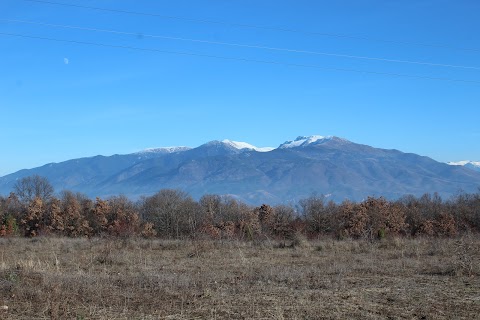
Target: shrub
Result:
[[9, 226], [32, 222]]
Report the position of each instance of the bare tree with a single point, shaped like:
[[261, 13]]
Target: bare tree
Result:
[[211, 209], [282, 224], [318, 214], [31, 187], [173, 212]]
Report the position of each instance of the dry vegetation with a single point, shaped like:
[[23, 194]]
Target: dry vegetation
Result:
[[169, 256], [135, 278]]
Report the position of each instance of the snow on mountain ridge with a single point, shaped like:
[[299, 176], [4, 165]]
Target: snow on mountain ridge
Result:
[[243, 145], [465, 162], [303, 141], [164, 150], [300, 141]]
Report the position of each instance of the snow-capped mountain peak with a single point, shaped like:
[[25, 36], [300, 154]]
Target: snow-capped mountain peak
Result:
[[303, 141], [164, 150], [475, 165], [243, 145], [464, 162]]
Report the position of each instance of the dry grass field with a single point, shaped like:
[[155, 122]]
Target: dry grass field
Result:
[[61, 278]]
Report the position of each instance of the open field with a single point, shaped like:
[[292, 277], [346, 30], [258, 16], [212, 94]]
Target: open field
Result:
[[61, 278]]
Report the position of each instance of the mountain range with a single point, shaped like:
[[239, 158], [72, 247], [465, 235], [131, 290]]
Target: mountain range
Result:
[[332, 166]]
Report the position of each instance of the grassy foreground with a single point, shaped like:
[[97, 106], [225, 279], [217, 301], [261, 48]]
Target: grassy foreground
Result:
[[61, 278]]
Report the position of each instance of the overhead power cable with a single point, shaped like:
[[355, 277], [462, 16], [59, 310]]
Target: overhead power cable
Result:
[[331, 54], [239, 59], [243, 25]]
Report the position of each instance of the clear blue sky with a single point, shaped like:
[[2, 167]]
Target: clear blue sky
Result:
[[61, 100]]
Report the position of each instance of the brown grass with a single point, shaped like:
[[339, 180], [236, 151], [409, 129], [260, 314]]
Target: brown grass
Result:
[[60, 278]]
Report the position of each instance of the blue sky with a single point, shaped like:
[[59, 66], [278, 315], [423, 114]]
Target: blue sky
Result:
[[62, 100]]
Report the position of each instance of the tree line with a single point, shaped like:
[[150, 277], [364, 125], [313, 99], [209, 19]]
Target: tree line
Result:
[[32, 209]]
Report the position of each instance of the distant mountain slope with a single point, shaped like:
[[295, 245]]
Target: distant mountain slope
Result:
[[296, 169]]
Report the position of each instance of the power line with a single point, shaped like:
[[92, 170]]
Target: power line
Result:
[[242, 25], [340, 55], [241, 59]]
